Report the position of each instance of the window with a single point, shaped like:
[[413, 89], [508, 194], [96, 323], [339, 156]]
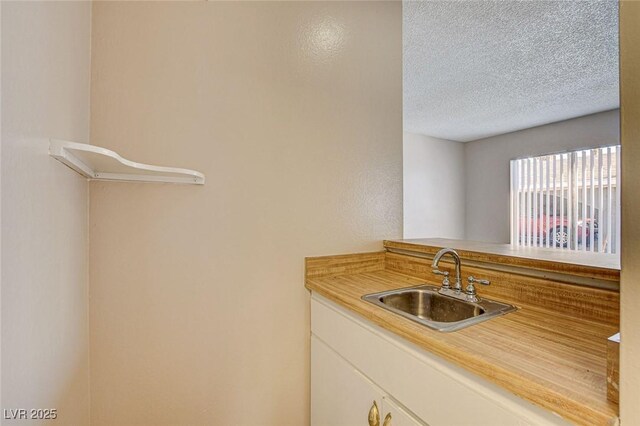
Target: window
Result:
[[567, 201]]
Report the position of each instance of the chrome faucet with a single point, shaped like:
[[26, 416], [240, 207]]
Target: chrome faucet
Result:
[[470, 291], [457, 286]]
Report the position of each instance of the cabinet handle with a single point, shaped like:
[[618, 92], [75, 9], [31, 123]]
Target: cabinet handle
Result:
[[387, 420], [374, 415]]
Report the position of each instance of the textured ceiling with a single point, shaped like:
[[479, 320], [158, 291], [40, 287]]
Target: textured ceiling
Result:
[[474, 69]]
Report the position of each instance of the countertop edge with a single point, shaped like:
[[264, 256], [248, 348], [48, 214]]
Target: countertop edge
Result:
[[489, 253]]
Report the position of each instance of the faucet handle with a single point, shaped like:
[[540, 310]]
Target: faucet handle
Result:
[[471, 289], [445, 282], [472, 280]]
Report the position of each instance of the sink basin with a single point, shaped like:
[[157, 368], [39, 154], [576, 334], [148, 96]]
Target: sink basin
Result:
[[425, 305]]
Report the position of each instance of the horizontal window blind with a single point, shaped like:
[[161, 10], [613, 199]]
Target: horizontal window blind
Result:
[[567, 201]]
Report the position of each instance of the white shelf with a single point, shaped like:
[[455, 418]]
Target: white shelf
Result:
[[98, 163]]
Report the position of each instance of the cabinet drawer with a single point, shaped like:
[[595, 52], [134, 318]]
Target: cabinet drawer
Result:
[[435, 390]]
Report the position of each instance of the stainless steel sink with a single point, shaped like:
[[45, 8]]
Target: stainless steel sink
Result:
[[425, 305]]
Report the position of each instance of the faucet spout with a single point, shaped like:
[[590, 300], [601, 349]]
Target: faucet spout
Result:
[[456, 258]]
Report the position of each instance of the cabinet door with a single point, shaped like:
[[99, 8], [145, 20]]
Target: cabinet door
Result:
[[397, 416], [432, 389], [340, 395]]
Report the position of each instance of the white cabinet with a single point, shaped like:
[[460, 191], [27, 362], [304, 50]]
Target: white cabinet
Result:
[[342, 396], [354, 363], [398, 416]]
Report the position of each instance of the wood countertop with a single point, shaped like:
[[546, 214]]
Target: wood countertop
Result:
[[552, 359], [551, 259]]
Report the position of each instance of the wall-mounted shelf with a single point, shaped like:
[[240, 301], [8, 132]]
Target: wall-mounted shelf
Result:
[[98, 163]]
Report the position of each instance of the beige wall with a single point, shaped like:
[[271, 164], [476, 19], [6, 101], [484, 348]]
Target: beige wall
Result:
[[487, 166], [433, 187], [630, 253], [45, 93], [293, 111]]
